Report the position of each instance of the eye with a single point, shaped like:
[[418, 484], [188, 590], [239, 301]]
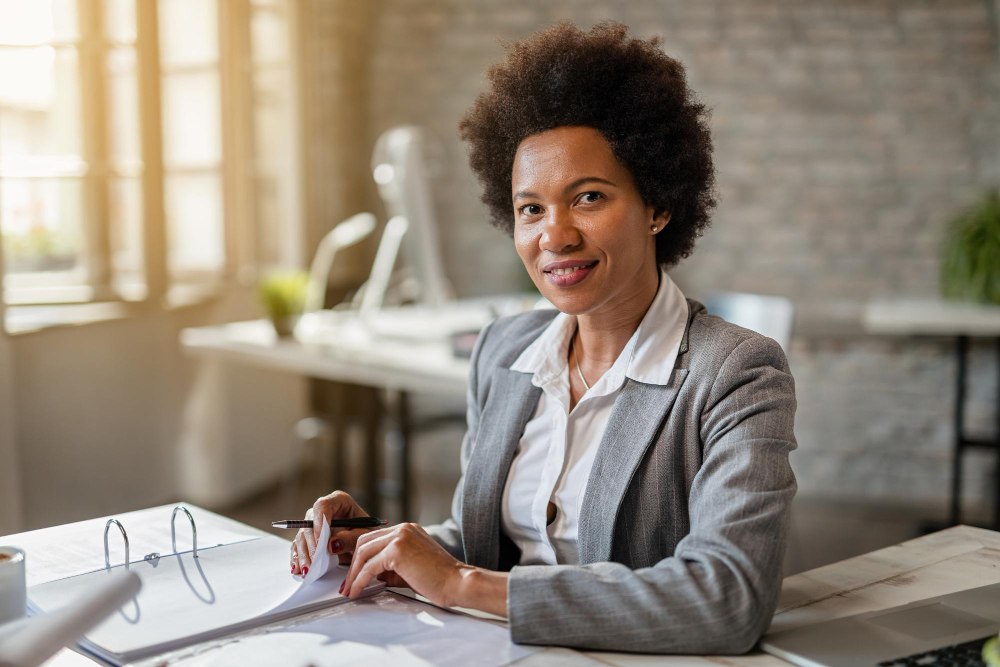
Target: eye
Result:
[[529, 209], [591, 197]]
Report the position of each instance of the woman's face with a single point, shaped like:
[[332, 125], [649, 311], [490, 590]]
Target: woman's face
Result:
[[580, 226]]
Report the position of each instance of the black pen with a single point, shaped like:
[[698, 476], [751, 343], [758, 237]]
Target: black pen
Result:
[[356, 522]]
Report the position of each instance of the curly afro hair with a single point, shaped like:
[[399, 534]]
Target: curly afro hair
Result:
[[627, 89]]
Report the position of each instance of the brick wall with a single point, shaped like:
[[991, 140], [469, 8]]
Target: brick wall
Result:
[[846, 134]]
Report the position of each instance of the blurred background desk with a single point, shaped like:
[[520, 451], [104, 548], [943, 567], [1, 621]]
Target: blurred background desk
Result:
[[961, 321], [397, 351], [343, 350]]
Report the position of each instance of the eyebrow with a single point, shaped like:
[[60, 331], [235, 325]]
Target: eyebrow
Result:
[[528, 194]]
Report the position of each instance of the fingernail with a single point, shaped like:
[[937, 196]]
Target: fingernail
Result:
[[337, 545], [305, 570], [342, 586], [293, 570]]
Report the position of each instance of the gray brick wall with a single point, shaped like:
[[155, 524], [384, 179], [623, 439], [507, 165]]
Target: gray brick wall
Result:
[[847, 133]]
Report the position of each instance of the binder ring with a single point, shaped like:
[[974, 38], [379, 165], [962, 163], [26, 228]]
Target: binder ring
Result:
[[173, 530], [107, 556]]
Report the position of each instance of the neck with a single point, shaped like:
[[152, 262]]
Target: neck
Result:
[[602, 336]]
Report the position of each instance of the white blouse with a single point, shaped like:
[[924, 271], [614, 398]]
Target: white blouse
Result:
[[556, 451]]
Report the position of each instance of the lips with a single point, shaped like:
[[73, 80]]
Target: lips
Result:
[[568, 272]]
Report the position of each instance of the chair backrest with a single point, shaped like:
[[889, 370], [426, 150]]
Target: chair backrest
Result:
[[347, 233], [772, 316]]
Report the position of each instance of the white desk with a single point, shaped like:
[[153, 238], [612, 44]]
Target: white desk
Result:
[[402, 351], [961, 321], [951, 560]]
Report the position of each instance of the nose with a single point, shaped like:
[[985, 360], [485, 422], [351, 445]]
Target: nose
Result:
[[559, 232]]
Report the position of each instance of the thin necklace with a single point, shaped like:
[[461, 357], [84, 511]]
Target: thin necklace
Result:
[[576, 357]]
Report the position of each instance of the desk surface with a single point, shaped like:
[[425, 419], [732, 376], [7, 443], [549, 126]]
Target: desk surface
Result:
[[943, 562], [931, 317], [345, 352]]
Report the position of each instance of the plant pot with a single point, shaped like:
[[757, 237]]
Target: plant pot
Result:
[[284, 326]]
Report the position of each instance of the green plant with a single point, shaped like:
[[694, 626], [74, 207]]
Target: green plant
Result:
[[283, 294], [970, 268], [991, 652]]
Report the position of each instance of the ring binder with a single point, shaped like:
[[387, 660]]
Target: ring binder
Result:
[[107, 556], [152, 557], [173, 531], [234, 585]]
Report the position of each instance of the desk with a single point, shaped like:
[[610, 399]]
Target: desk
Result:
[[961, 321], [340, 348], [944, 562]]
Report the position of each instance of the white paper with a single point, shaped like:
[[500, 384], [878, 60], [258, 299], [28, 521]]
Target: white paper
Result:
[[321, 559], [386, 629], [185, 600], [77, 548]]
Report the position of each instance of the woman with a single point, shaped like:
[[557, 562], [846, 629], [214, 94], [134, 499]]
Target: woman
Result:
[[625, 480]]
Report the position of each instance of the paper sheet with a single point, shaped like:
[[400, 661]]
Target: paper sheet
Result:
[[79, 547], [186, 600], [321, 559], [386, 629]]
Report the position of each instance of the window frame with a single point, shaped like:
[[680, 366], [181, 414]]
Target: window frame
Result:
[[235, 68]]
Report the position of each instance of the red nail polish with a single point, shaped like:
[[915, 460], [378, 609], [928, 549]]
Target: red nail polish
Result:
[[305, 571], [342, 586], [337, 545]]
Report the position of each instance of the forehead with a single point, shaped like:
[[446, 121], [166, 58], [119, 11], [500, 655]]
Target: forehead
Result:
[[562, 155]]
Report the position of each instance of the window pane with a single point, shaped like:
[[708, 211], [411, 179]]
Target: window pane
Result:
[[123, 107], [191, 130], [268, 213], [119, 20], [41, 224], [271, 124], [269, 39], [125, 209], [37, 22], [194, 222], [189, 32], [39, 103]]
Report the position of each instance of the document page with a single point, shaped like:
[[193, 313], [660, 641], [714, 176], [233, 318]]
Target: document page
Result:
[[186, 600], [77, 548]]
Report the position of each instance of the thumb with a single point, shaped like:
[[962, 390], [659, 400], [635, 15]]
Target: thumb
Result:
[[344, 541]]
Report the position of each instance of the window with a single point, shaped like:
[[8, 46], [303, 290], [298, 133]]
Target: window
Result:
[[144, 146]]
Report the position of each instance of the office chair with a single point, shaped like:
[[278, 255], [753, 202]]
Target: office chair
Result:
[[772, 316]]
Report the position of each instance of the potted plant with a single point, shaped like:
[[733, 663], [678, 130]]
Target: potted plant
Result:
[[970, 268], [283, 295]]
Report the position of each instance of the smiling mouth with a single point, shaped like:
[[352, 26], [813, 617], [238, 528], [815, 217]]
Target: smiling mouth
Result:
[[569, 274], [569, 270]]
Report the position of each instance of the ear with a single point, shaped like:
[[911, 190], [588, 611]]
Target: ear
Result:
[[661, 218]]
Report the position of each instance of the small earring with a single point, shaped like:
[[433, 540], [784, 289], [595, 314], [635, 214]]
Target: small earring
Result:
[[653, 229]]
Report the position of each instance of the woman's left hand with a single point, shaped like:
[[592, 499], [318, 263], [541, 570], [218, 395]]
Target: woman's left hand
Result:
[[406, 552]]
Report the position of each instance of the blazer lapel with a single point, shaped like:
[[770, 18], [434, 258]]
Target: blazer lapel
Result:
[[512, 402], [639, 412]]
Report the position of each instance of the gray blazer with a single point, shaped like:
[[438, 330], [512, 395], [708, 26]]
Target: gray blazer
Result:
[[683, 524]]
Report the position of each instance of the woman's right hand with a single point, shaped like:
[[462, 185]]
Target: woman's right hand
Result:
[[337, 505]]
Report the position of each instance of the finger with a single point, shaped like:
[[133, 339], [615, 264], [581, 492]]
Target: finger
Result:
[[293, 558], [310, 541], [337, 505], [303, 550], [368, 547], [345, 541], [372, 568]]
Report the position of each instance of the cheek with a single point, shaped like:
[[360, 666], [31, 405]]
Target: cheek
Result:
[[525, 243]]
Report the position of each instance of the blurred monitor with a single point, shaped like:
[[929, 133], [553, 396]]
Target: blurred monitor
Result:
[[399, 167]]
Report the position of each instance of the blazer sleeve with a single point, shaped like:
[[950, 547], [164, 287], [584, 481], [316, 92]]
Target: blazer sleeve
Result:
[[719, 589], [449, 533]]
